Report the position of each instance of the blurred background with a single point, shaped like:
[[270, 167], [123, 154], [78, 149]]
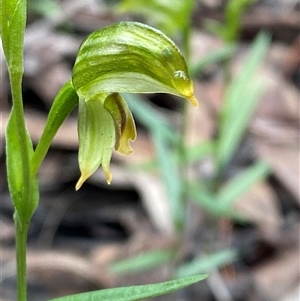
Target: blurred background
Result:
[[208, 190]]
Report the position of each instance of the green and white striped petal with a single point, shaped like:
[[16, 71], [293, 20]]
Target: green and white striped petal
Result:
[[131, 57]]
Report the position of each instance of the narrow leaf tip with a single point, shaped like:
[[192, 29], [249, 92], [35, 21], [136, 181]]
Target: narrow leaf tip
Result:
[[193, 100]]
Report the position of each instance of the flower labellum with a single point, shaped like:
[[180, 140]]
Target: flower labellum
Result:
[[104, 123], [127, 57]]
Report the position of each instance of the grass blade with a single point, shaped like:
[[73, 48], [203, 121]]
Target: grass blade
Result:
[[241, 183], [171, 177], [142, 262], [206, 264], [203, 197], [134, 293], [240, 101], [217, 56]]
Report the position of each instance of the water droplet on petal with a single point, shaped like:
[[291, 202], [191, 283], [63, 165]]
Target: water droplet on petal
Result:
[[180, 74]]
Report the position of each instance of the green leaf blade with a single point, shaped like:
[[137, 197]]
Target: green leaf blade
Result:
[[232, 190], [241, 99], [25, 197], [171, 177], [141, 262], [233, 15], [206, 264], [201, 196], [134, 293]]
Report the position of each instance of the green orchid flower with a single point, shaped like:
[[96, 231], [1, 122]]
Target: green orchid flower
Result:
[[104, 123], [127, 57]]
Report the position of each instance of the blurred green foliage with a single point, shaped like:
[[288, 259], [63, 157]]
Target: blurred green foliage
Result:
[[229, 31], [242, 93], [45, 8], [144, 261], [172, 17]]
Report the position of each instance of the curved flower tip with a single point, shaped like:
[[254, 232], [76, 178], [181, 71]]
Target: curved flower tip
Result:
[[84, 176], [82, 179], [193, 100], [107, 174]]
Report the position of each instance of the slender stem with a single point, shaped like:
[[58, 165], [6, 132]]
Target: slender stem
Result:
[[64, 103], [16, 74], [20, 224], [21, 242], [16, 89], [13, 22]]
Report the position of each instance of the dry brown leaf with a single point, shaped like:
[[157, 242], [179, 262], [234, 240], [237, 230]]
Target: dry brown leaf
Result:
[[284, 162], [292, 59], [151, 190], [201, 123], [47, 84], [275, 278], [280, 101], [105, 254], [293, 294], [260, 205], [66, 137], [276, 130], [45, 61], [143, 150], [73, 268], [7, 230], [203, 44]]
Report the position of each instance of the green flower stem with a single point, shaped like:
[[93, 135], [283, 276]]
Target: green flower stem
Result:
[[20, 224], [21, 242], [17, 99], [64, 103], [13, 20]]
